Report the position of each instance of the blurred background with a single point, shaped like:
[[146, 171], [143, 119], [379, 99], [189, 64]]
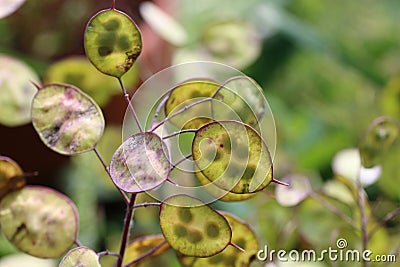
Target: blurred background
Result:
[[327, 68]]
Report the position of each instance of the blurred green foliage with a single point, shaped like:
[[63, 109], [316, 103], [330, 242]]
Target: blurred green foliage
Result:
[[328, 68]]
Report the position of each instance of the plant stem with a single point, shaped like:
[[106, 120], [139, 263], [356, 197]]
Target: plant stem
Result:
[[128, 101], [364, 220], [333, 209], [105, 253], [125, 232], [113, 4], [124, 196], [180, 161], [180, 132], [148, 204], [147, 253], [157, 112], [78, 243], [179, 112], [387, 218]]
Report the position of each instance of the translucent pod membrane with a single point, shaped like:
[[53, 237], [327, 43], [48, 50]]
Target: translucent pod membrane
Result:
[[16, 90], [141, 163], [67, 120], [193, 228], [377, 140], [233, 156], [242, 235], [238, 98], [112, 42], [188, 93], [39, 221], [80, 256], [11, 176], [142, 245], [220, 193], [245, 97]]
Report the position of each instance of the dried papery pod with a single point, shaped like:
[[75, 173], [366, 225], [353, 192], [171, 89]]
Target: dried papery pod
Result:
[[112, 42], [298, 189], [233, 156], [192, 227], [378, 138], [67, 120], [11, 176], [81, 257], [142, 245], [141, 163], [39, 221], [242, 235], [188, 93]]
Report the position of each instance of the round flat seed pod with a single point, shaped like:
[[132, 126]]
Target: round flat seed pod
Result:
[[193, 228], [377, 139], [11, 176], [141, 163], [233, 156], [112, 42], [39, 221], [142, 245], [242, 235], [81, 257], [218, 192], [188, 93], [16, 91], [67, 120], [299, 188], [245, 97]]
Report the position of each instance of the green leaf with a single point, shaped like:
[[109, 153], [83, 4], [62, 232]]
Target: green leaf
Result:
[[142, 245], [39, 221], [78, 71], [378, 138], [80, 256], [298, 189], [233, 156], [141, 163], [242, 235], [67, 120], [188, 93], [112, 42], [8, 7], [11, 176], [16, 91], [193, 228]]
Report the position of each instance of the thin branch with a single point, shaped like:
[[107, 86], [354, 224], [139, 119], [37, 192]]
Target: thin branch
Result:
[[125, 232], [147, 253], [236, 246], [333, 209], [279, 182], [157, 112], [78, 243], [179, 112], [124, 196], [364, 220], [179, 132], [180, 161], [128, 101], [105, 253], [385, 220], [147, 204], [113, 4]]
